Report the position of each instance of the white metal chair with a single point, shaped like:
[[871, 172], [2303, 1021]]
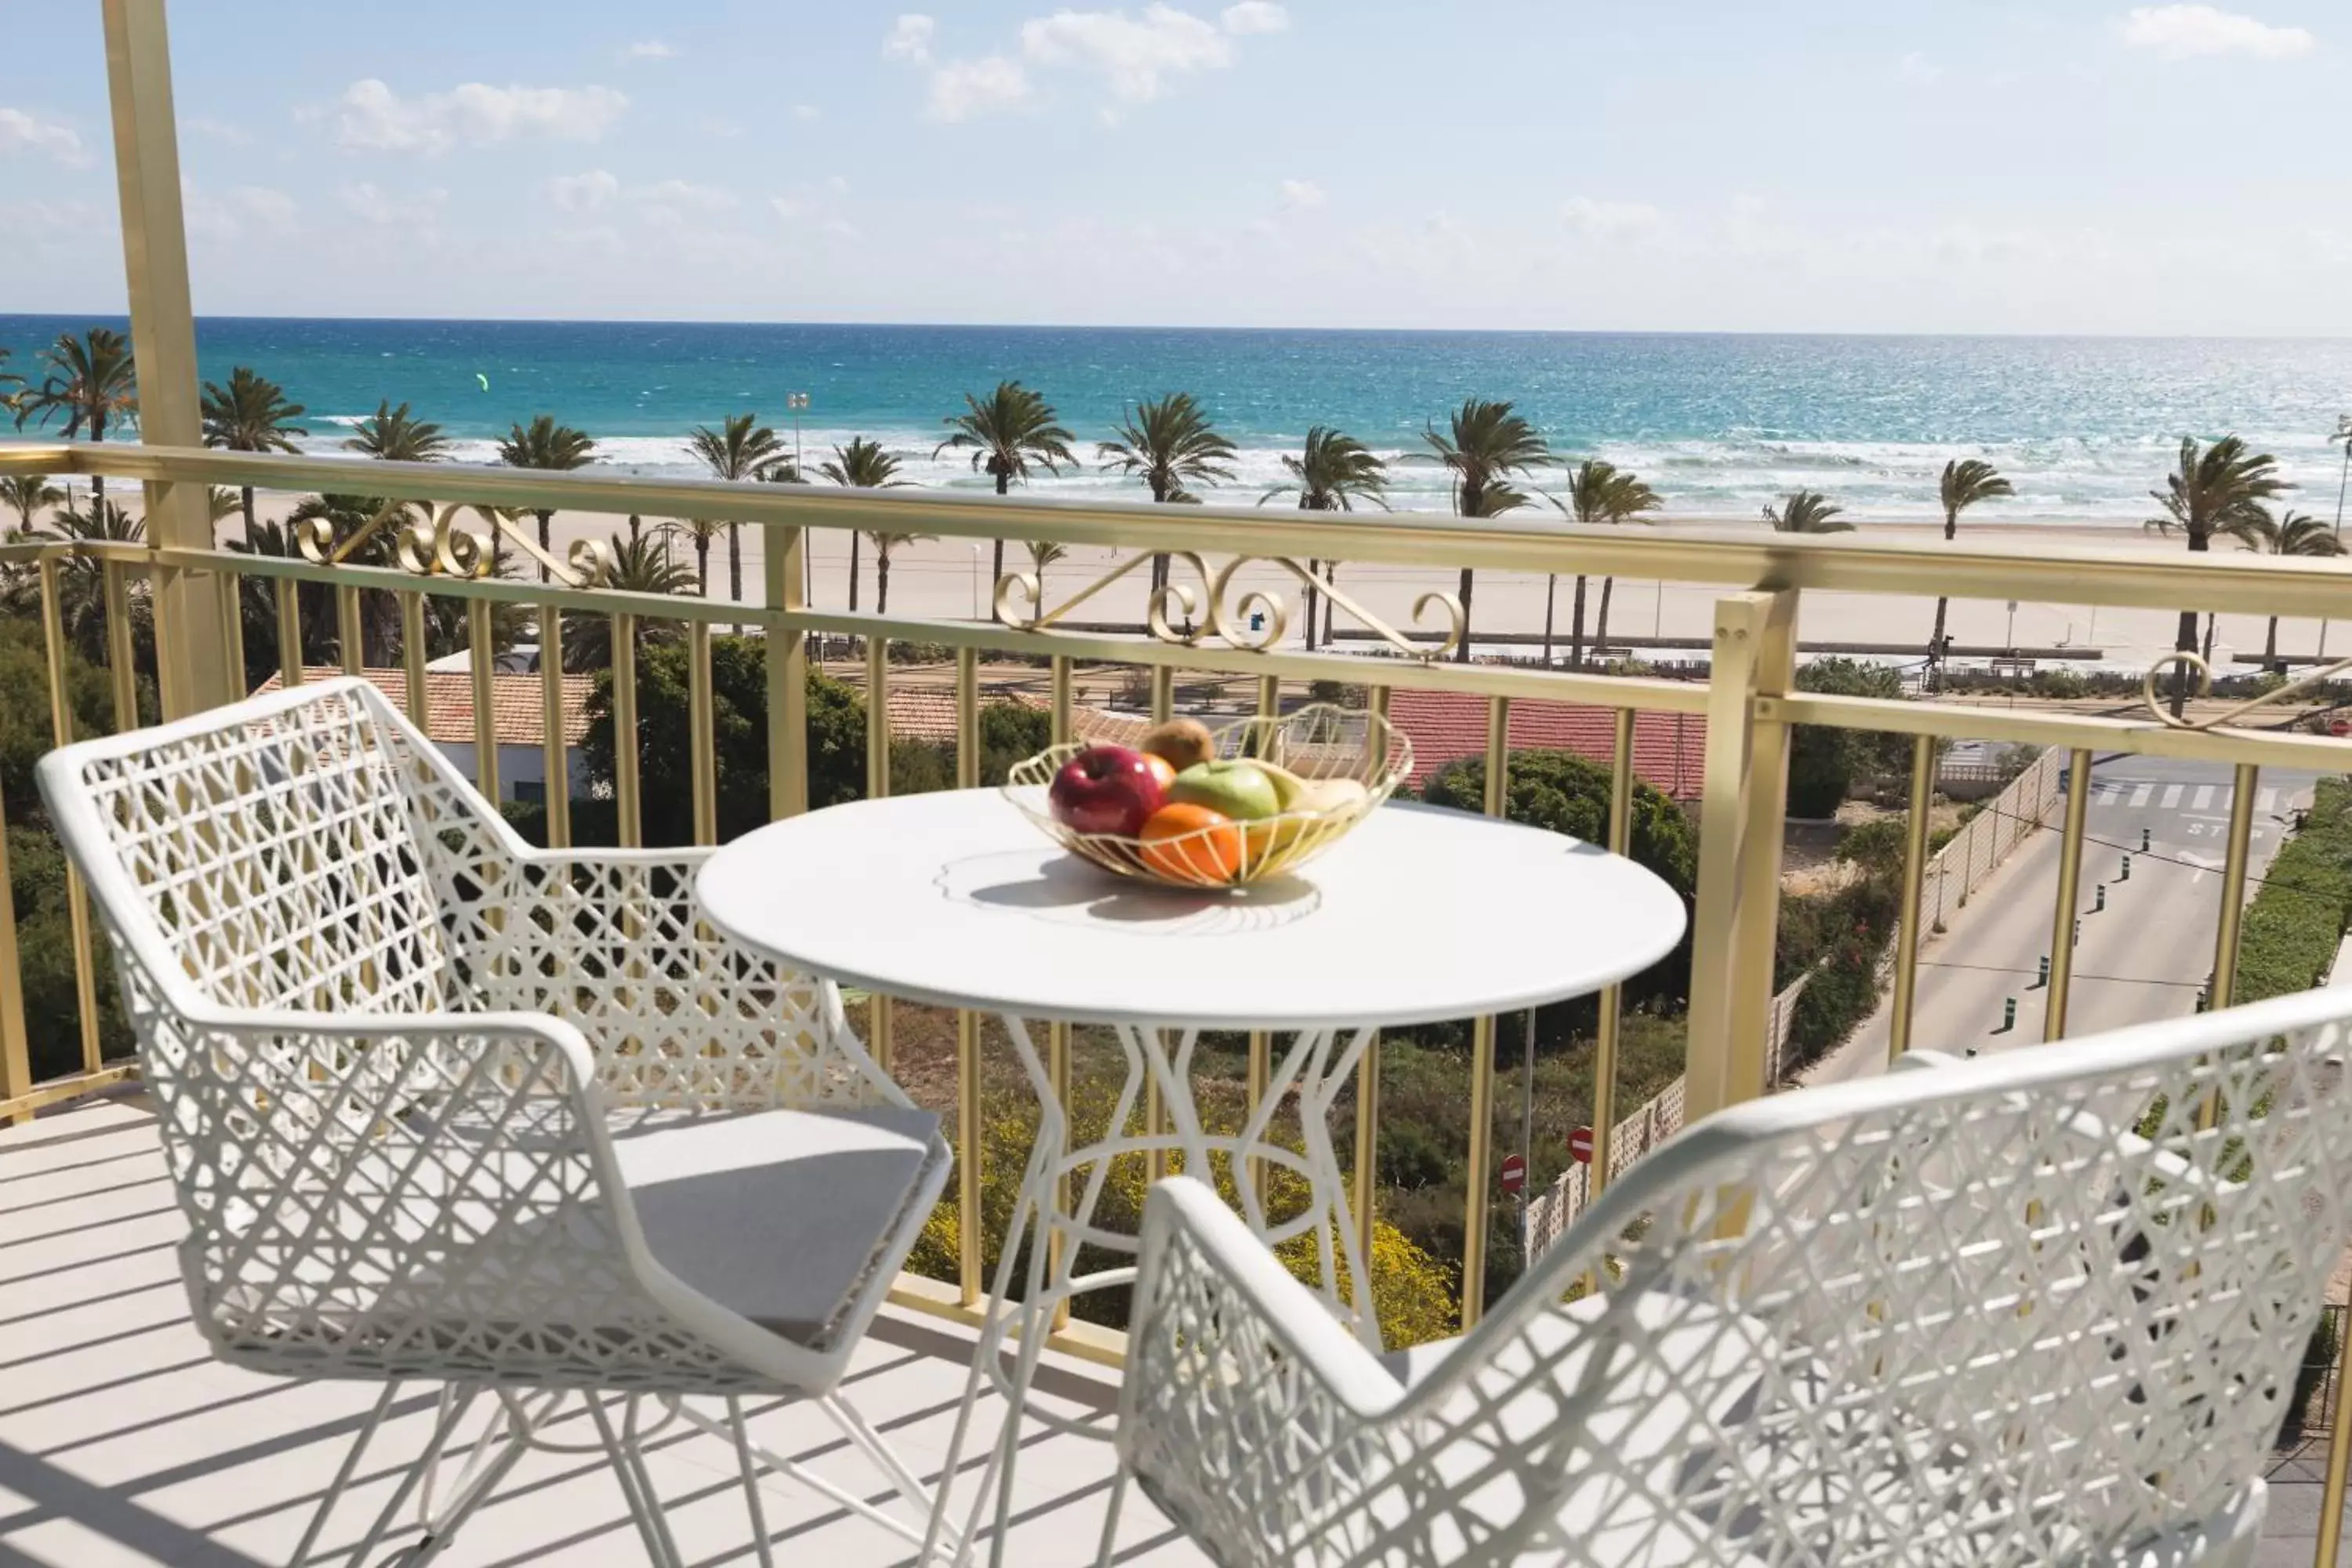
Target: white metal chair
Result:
[[2019, 1311], [439, 1106]]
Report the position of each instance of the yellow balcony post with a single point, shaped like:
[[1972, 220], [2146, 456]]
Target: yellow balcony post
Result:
[[193, 623], [1747, 777]]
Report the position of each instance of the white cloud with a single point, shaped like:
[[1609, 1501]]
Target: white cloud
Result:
[[2187, 32], [805, 112], [651, 49], [1915, 66], [909, 39], [238, 213], [1303, 194], [21, 132], [677, 198], [961, 88], [370, 202], [218, 130], [372, 117], [1255, 16], [582, 192], [670, 201], [1133, 55], [1607, 220]]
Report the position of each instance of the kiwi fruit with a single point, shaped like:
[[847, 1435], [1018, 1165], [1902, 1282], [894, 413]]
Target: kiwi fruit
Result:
[[1180, 743]]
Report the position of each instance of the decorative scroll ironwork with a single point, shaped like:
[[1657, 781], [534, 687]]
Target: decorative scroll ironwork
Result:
[[2195, 663], [439, 545], [1178, 613]]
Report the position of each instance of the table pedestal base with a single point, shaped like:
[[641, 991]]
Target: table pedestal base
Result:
[[1056, 1221]]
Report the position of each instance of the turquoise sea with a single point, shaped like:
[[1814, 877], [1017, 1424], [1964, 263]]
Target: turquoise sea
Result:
[[1719, 424]]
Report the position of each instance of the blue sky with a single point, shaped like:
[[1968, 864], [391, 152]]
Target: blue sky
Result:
[[1856, 165]]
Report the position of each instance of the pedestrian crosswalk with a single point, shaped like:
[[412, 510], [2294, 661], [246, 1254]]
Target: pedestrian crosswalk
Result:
[[2144, 794]]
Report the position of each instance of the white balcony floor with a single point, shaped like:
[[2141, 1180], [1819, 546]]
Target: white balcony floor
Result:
[[122, 1445]]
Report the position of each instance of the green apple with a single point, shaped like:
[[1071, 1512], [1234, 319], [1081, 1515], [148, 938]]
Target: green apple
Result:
[[1236, 787]]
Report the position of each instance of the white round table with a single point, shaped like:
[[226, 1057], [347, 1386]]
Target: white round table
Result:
[[1420, 914]]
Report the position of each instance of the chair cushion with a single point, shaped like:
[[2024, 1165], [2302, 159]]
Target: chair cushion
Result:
[[780, 1215]]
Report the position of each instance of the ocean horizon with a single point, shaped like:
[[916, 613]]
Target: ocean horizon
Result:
[[1719, 424]]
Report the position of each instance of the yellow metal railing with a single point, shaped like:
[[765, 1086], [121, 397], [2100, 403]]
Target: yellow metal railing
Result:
[[1749, 702]]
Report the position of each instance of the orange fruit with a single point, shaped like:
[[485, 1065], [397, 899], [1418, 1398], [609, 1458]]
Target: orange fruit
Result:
[[1191, 845]]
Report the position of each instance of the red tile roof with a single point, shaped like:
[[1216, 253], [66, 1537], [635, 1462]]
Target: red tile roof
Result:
[[515, 703], [1669, 749], [929, 714]]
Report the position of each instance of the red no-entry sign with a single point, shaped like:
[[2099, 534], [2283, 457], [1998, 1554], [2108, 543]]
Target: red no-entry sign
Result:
[[1514, 1172], [1579, 1145]]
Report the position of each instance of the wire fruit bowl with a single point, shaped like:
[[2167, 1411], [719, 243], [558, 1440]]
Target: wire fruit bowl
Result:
[[1317, 743]]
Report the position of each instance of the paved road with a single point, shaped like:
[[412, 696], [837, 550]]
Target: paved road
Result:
[[2141, 958]]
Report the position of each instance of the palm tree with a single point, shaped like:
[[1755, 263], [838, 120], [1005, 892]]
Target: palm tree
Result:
[[92, 382], [2295, 533], [1169, 443], [741, 449], [1485, 444], [27, 493], [1332, 472], [1043, 553], [249, 414], [395, 436], [640, 566], [1967, 481], [544, 445], [885, 544], [81, 578], [1598, 493], [1006, 432], [864, 465], [2217, 491], [1629, 501], [1807, 512]]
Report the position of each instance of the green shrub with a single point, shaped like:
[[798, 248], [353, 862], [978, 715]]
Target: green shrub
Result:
[[1819, 772], [1566, 793], [2296, 922]]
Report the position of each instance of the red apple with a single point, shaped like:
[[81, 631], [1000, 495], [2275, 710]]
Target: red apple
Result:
[[1106, 789]]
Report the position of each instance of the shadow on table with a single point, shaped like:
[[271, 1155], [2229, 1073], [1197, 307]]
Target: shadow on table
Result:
[[1070, 891]]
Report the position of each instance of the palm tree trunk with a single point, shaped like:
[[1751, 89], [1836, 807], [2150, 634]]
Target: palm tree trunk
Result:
[[1312, 567], [1551, 592], [2210, 619], [97, 481], [1576, 626], [702, 563], [1462, 653], [546, 539], [1601, 625], [881, 582], [1936, 645], [2269, 646], [735, 562], [1329, 606], [996, 573], [853, 576], [634, 525], [248, 517]]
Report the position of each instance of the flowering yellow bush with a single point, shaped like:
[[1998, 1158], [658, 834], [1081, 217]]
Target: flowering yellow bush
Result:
[[1413, 1294]]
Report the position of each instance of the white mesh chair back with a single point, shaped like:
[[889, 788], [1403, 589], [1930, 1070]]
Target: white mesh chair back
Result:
[[359, 1001], [2041, 1308]]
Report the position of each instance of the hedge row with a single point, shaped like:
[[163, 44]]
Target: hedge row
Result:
[[2296, 922]]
